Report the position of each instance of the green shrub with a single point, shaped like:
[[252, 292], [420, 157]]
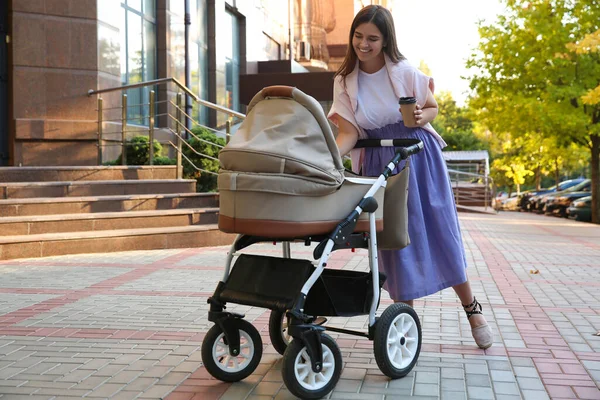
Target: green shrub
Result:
[[137, 151], [205, 182], [347, 164], [163, 160]]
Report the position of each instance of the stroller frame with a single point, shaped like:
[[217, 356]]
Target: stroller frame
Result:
[[301, 326]]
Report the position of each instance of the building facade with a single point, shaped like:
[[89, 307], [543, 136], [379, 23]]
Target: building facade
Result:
[[52, 52]]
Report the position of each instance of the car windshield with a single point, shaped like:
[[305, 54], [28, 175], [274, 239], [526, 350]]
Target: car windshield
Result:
[[567, 184], [581, 186]]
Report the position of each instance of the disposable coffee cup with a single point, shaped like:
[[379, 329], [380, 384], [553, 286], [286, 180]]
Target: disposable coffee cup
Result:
[[407, 108]]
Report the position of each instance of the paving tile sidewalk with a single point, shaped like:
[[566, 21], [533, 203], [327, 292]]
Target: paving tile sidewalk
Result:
[[130, 325]]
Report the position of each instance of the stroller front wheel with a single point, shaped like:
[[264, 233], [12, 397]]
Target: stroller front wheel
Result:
[[280, 338], [298, 375], [397, 341], [224, 366]]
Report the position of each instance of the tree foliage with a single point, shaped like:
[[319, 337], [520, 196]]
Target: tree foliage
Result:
[[536, 74], [454, 124]]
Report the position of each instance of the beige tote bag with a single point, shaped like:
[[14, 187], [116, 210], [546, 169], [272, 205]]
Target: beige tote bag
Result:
[[395, 212]]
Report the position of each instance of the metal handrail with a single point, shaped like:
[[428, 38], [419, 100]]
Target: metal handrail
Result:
[[178, 119], [180, 85], [468, 173]]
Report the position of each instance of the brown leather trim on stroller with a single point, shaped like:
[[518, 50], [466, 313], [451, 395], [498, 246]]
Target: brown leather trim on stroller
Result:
[[278, 91], [286, 229]]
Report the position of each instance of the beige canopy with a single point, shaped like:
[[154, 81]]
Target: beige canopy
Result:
[[285, 145]]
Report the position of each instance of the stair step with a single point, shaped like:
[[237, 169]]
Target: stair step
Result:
[[33, 225], [86, 173], [103, 204], [54, 244], [24, 190]]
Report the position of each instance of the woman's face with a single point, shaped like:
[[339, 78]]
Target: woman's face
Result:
[[367, 41]]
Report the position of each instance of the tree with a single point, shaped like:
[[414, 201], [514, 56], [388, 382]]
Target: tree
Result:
[[454, 124], [537, 72]]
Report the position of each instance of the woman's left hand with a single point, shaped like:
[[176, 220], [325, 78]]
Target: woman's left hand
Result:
[[419, 115]]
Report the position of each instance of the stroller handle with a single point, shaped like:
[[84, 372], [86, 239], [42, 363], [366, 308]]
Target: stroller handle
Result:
[[407, 147]]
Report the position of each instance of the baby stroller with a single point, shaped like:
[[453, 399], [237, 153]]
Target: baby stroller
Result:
[[282, 180]]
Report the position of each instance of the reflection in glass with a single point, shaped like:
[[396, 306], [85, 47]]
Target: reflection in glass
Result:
[[134, 48], [177, 6], [150, 8], [123, 42], [198, 55], [228, 66], [109, 53], [135, 4], [150, 50], [271, 48], [109, 12], [138, 57], [177, 46]]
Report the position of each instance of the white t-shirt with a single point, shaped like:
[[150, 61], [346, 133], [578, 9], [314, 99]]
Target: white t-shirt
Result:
[[377, 102]]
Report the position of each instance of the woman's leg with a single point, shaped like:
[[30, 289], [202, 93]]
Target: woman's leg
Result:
[[464, 293], [482, 333]]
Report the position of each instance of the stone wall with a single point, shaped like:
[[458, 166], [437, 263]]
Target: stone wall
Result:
[[54, 61]]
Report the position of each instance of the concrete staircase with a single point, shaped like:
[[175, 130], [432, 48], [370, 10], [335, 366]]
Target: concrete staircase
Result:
[[47, 211], [471, 197]]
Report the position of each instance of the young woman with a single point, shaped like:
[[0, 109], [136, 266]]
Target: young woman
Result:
[[373, 76]]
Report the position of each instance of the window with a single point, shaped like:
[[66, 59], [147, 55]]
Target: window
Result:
[[271, 49], [198, 57], [138, 55], [228, 66]]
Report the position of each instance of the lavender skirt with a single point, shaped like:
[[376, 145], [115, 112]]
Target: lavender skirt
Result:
[[435, 259]]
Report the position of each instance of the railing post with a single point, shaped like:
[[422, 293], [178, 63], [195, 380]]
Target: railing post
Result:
[[124, 130], [457, 191], [486, 193], [178, 130], [151, 129], [100, 130], [227, 131]]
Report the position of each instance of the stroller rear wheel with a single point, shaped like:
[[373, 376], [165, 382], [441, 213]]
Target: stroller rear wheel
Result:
[[397, 341], [278, 324], [298, 375], [221, 364]]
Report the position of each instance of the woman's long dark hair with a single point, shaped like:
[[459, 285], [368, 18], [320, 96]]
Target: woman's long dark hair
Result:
[[381, 17]]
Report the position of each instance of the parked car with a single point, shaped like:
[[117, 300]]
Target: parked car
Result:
[[498, 200], [561, 203], [537, 201], [524, 198], [507, 203], [581, 209], [551, 202]]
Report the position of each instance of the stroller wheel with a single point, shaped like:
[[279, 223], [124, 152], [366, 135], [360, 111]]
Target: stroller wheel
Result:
[[222, 365], [397, 341], [298, 375], [278, 333]]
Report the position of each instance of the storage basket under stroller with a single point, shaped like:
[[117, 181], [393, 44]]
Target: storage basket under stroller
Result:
[[273, 283]]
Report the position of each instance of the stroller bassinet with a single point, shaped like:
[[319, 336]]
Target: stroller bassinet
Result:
[[282, 174]]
